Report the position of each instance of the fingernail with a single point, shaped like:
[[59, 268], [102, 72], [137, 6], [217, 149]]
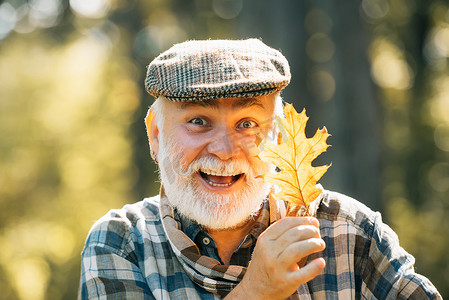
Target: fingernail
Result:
[[323, 244], [314, 222]]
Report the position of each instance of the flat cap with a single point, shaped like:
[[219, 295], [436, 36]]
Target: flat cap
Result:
[[212, 69]]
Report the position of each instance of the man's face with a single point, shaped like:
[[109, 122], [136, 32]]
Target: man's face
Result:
[[207, 158]]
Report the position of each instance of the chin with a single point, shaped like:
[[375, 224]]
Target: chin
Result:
[[217, 210]]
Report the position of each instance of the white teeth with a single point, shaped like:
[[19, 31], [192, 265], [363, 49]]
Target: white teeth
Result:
[[219, 184], [217, 173]]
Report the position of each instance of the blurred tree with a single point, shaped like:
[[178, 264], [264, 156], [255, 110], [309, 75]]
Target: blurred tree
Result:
[[409, 64]]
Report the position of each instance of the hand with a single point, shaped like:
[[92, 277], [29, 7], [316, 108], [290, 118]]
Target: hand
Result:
[[273, 272]]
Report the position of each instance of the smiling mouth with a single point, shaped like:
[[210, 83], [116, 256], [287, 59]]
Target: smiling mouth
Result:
[[219, 179]]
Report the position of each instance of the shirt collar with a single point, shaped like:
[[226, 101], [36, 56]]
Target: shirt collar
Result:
[[192, 228], [188, 226]]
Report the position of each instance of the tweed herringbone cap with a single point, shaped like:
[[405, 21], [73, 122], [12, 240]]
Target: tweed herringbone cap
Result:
[[212, 69]]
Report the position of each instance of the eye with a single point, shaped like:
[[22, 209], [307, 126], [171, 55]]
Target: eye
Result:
[[247, 124], [198, 121]]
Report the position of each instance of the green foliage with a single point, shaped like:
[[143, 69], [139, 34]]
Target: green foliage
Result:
[[66, 155]]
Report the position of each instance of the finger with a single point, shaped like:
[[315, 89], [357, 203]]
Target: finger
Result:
[[296, 251], [295, 234], [308, 272], [284, 224], [314, 221]]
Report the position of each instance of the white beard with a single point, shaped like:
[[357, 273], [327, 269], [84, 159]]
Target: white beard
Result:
[[211, 210]]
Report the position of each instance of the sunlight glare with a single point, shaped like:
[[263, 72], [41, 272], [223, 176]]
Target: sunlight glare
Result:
[[320, 48], [30, 276], [61, 243], [436, 49], [375, 9], [91, 8], [227, 9], [389, 68], [44, 13], [8, 18], [441, 136]]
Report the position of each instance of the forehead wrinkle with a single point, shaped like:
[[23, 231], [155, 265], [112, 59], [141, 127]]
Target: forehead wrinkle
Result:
[[211, 103]]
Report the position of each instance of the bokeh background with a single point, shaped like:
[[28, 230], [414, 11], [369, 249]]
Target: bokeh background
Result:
[[72, 103]]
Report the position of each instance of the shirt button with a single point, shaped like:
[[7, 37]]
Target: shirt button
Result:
[[206, 241]]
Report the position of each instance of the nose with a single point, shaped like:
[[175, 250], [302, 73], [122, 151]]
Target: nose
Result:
[[224, 145]]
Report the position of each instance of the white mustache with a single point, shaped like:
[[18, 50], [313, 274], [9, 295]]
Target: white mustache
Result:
[[215, 165]]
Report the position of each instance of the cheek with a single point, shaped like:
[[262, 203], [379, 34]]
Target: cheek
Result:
[[248, 143], [189, 145]]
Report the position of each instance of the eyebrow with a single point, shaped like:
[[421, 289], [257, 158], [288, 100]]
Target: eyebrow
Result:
[[239, 103], [209, 103], [247, 102]]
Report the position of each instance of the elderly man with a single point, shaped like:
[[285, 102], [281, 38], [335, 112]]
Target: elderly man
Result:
[[214, 231]]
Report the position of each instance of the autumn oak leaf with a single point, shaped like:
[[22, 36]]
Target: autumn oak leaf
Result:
[[293, 155]]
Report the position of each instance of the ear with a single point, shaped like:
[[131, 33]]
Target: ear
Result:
[[152, 131]]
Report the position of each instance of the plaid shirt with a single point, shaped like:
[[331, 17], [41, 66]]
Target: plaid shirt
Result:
[[128, 256], [207, 246]]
